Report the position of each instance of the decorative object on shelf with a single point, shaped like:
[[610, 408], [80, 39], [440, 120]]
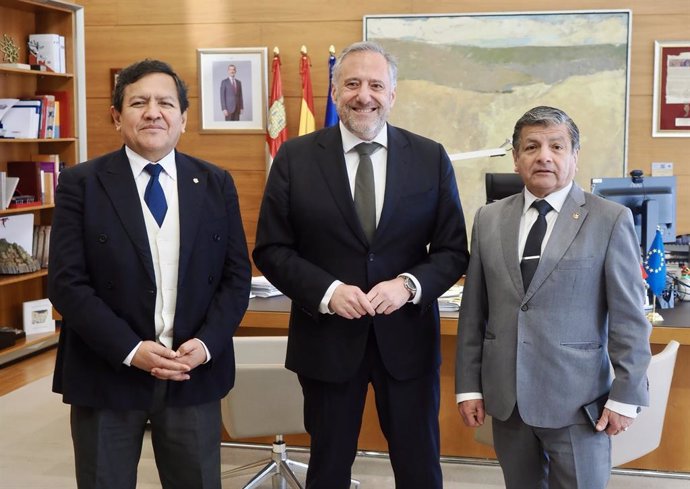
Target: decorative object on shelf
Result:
[[233, 90], [9, 49], [14, 259], [47, 50], [38, 317], [671, 101]]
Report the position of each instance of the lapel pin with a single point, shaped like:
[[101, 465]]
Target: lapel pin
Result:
[[576, 215], [195, 180]]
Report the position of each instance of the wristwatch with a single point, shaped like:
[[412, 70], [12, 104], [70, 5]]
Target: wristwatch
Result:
[[410, 286]]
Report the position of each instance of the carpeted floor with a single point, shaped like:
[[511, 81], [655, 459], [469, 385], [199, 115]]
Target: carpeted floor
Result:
[[37, 454]]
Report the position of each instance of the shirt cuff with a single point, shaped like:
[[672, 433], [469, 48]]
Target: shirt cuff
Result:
[[323, 306], [128, 359], [418, 295], [628, 410], [208, 353], [468, 396]]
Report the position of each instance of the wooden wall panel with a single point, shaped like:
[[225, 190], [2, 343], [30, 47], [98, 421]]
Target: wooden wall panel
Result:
[[119, 32]]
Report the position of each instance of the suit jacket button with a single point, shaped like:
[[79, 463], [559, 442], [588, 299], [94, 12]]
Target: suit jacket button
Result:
[[109, 285], [371, 256], [151, 291], [524, 308], [210, 279], [102, 238], [216, 237]]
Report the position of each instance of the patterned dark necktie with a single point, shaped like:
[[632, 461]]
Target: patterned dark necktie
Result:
[[153, 195], [365, 194], [532, 251]]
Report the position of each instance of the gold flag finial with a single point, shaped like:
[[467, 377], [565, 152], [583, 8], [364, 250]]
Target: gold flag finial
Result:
[[303, 49], [331, 49], [276, 51]]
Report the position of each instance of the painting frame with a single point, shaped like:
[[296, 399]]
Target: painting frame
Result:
[[217, 95], [671, 112], [38, 317], [464, 79]]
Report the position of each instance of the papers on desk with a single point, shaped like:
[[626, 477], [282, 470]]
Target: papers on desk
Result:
[[263, 288], [450, 300]]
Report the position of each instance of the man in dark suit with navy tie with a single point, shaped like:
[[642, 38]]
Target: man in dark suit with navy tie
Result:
[[150, 272], [361, 226], [231, 95]]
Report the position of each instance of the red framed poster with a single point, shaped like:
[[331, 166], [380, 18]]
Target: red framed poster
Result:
[[671, 104]]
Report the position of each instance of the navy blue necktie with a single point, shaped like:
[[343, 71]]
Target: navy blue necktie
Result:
[[532, 252], [154, 196]]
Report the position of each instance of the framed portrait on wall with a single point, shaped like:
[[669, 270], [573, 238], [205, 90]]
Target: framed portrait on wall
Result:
[[671, 102], [233, 89]]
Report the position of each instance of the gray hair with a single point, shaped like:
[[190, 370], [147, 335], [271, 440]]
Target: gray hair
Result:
[[546, 116], [368, 46]]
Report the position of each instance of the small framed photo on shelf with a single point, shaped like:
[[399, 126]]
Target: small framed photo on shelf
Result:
[[233, 90], [671, 102], [38, 317]]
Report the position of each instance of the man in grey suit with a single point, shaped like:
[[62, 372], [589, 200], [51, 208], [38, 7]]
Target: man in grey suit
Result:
[[539, 328], [231, 95]]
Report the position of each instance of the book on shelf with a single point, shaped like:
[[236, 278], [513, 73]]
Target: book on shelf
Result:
[[19, 66], [49, 163], [45, 49], [41, 244], [22, 120], [63, 101]]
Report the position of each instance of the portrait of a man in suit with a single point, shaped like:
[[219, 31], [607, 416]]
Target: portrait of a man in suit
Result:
[[231, 101], [150, 272], [361, 226], [552, 300]]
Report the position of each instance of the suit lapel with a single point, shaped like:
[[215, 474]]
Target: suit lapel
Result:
[[332, 167], [509, 232], [396, 166], [565, 229], [118, 183], [191, 188]]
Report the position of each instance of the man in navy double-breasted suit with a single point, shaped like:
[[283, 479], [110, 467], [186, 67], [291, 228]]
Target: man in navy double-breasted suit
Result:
[[149, 269], [364, 292]]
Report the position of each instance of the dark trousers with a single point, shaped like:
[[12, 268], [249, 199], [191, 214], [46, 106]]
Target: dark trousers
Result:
[[233, 116], [186, 444], [572, 457], [408, 415]]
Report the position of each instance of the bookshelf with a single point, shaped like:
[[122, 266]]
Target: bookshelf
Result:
[[18, 19]]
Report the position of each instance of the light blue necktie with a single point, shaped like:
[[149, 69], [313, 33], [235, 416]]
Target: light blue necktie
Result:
[[154, 196]]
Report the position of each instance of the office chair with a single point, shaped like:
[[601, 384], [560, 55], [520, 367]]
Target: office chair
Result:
[[502, 185], [265, 401], [644, 435]]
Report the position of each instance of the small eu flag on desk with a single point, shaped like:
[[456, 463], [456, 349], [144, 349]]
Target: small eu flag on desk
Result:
[[655, 265]]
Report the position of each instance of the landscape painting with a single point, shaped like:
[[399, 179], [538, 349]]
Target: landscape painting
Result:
[[464, 80]]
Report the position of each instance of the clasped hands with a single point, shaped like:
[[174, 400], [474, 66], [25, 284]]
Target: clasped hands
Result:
[[350, 302], [167, 364]]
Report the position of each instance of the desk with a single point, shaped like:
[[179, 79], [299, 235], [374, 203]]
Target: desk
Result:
[[270, 317]]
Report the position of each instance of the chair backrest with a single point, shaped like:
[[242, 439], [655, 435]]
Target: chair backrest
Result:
[[267, 398], [501, 185], [644, 435]]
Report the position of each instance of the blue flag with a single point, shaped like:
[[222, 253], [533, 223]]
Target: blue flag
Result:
[[331, 113], [655, 265]]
